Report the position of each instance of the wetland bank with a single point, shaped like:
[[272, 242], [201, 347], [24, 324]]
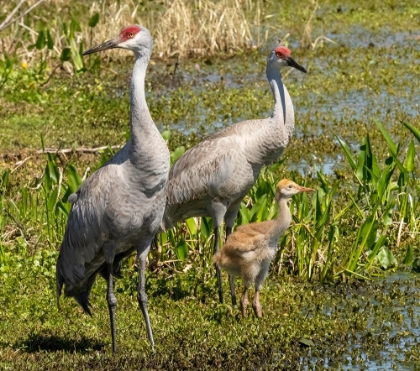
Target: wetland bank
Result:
[[343, 290]]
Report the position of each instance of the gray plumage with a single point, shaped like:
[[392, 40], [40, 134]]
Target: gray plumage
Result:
[[212, 178], [119, 208]]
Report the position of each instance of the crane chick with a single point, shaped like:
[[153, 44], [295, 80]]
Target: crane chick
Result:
[[249, 250]]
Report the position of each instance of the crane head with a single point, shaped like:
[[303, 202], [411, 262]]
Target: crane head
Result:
[[134, 37], [280, 57]]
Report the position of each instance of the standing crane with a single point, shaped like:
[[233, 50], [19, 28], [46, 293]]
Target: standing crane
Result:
[[212, 178], [119, 208], [249, 250]]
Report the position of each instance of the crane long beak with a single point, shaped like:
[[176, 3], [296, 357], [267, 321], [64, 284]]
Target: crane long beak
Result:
[[305, 189], [292, 63], [110, 44]]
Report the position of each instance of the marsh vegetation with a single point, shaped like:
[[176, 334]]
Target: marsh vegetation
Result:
[[342, 290]]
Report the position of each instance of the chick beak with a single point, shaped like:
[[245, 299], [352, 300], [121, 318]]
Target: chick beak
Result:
[[305, 189]]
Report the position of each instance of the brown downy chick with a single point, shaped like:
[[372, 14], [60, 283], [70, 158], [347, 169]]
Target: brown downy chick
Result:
[[248, 251]]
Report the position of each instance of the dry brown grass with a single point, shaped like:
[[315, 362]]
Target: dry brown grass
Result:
[[306, 40], [183, 27]]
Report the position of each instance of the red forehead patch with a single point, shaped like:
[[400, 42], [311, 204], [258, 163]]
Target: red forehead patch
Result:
[[282, 50], [129, 32]]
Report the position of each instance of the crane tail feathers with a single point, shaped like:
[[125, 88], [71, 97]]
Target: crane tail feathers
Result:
[[82, 297], [83, 300]]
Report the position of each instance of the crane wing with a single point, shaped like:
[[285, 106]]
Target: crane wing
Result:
[[86, 229], [255, 228], [202, 170], [247, 237]]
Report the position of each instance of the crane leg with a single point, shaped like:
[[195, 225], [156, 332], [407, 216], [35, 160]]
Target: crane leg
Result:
[[256, 305], [231, 279], [232, 289], [259, 280], [142, 297], [244, 300], [218, 272], [112, 306]]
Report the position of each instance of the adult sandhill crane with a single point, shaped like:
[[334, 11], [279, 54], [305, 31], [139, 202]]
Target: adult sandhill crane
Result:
[[249, 250], [119, 208], [212, 178]]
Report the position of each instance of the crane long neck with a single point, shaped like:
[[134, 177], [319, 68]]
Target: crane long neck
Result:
[[281, 223], [279, 93], [141, 123]]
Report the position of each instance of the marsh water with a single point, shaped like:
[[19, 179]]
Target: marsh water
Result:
[[388, 310], [355, 78]]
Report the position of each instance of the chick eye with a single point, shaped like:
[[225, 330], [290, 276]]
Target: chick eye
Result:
[[290, 186]]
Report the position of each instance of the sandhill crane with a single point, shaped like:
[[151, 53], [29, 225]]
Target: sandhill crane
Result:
[[119, 208], [212, 178], [249, 250]]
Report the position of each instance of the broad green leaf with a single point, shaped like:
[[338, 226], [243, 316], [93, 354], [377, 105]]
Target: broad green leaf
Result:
[[409, 159], [206, 227], [177, 153], [369, 231], [243, 211], [74, 27], [361, 160], [324, 181], [5, 178], [409, 256], [50, 42], [414, 130], [385, 133], [347, 153], [384, 183], [75, 55], [65, 55], [93, 21], [192, 226], [73, 178], [52, 200], [181, 250], [166, 135], [53, 171], [163, 238], [262, 212], [386, 259], [63, 208], [40, 41]]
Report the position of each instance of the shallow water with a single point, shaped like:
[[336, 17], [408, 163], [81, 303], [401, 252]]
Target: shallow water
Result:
[[389, 337], [400, 332], [364, 60]]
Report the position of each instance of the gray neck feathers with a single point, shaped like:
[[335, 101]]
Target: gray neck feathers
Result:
[[140, 120], [279, 94]]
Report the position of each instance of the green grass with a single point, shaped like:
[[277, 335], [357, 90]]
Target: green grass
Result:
[[193, 331]]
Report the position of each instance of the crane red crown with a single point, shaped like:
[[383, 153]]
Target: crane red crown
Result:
[[129, 32], [282, 51]]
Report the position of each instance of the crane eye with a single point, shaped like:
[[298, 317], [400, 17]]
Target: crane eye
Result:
[[279, 55], [130, 35]]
